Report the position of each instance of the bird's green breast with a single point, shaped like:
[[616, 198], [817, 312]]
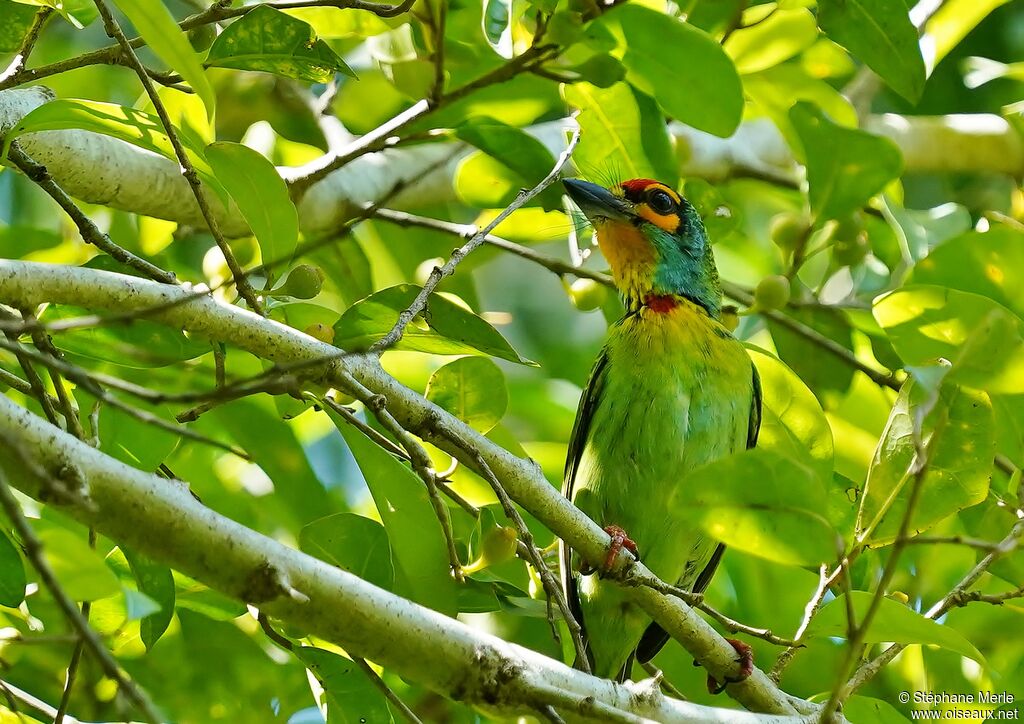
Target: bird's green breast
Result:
[[674, 392]]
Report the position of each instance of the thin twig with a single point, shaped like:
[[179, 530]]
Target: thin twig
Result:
[[34, 553], [551, 585], [13, 692], [90, 233], [810, 610], [350, 417], [420, 460], [188, 170], [388, 692], [956, 597], [437, 274], [28, 43]]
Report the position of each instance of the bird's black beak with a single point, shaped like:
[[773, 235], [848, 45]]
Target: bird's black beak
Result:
[[597, 202]]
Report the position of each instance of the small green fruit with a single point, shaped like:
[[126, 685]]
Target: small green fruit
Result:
[[498, 546], [850, 242], [320, 331], [772, 292], [587, 294], [787, 229], [304, 282]]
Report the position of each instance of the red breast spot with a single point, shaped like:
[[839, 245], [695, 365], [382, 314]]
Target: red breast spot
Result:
[[661, 303]]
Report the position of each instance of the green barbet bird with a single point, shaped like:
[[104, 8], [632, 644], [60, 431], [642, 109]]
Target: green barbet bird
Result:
[[672, 390]]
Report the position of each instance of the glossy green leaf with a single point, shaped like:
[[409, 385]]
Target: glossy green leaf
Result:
[[129, 124], [12, 574], [138, 606], [444, 328], [472, 389], [79, 13], [418, 547], [268, 40], [351, 697], [15, 20], [79, 569], [154, 22], [893, 622], [763, 503], [260, 194], [880, 34], [695, 83], [157, 583], [983, 340], [139, 344], [126, 438], [845, 166], [622, 134], [523, 154], [353, 543], [273, 446], [347, 268], [989, 263], [792, 421], [827, 376], [960, 440], [952, 21], [778, 38]]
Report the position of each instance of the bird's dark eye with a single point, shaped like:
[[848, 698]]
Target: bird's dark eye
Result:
[[661, 202]]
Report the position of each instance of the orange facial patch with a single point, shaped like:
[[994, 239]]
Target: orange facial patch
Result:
[[629, 254], [638, 189]]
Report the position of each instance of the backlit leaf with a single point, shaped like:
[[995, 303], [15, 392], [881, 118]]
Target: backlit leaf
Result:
[[472, 389]]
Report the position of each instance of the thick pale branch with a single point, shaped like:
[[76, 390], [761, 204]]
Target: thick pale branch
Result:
[[162, 519], [25, 284], [110, 172]]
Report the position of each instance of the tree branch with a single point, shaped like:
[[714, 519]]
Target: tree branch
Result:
[[26, 284], [414, 642]]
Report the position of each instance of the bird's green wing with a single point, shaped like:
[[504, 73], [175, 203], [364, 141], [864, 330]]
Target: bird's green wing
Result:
[[655, 636], [577, 442]]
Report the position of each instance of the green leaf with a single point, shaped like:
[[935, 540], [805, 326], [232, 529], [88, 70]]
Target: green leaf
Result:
[[892, 622], [952, 21], [79, 13], [960, 436], [778, 38], [270, 41], [695, 83], [125, 438], [792, 421], [866, 710], [15, 20], [128, 124], [80, 570], [417, 543], [472, 389], [828, 376], [524, 155], [353, 543], [622, 134], [351, 697], [845, 166], [444, 327], [273, 446], [141, 344], [154, 22], [261, 196], [983, 340], [989, 263], [992, 519], [157, 583], [763, 503], [12, 573], [878, 32]]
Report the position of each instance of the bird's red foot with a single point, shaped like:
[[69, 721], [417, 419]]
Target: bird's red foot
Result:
[[746, 661], [619, 541]]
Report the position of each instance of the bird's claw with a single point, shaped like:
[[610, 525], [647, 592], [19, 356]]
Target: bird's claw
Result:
[[745, 659], [619, 541]]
